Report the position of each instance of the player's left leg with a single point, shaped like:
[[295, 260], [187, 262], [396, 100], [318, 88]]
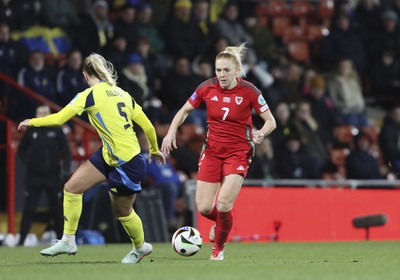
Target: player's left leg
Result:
[[126, 180], [228, 193], [132, 224], [86, 176]]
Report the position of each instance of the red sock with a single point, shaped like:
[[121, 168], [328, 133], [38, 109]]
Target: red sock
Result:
[[224, 226], [212, 215]]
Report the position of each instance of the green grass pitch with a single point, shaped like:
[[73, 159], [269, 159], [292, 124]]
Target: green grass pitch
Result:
[[245, 261]]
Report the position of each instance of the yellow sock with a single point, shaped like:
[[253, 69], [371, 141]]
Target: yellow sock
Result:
[[133, 227], [72, 212]]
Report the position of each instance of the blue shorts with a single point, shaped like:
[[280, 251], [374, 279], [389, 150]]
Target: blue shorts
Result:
[[124, 179]]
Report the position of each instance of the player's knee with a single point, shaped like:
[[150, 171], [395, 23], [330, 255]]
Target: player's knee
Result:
[[204, 210], [69, 186], [224, 206]]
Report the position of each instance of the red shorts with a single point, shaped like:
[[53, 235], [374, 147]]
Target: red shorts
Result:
[[212, 169]]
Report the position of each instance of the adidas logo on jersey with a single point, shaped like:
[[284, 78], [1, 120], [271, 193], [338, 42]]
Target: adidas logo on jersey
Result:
[[241, 168], [215, 98]]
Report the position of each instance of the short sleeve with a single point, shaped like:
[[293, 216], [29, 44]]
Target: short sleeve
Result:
[[258, 102], [196, 98]]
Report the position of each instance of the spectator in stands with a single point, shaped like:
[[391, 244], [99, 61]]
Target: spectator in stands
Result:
[[35, 76], [308, 74], [47, 156], [264, 43], [262, 164], [361, 163], [345, 89], [59, 13], [230, 27], [134, 79], [12, 56], [389, 138], [201, 12], [385, 78], [284, 127], [183, 35], [176, 87], [293, 162], [343, 41], [293, 78], [367, 20], [95, 29], [9, 13], [27, 13], [69, 78], [125, 25], [394, 5], [154, 64], [387, 37], [306, 126], [147, 28], [322, 108], [203, 68], [279, 91], [162, 9], [117, 51]]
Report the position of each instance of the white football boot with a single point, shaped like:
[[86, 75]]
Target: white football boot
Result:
[[217, 255], [137, 254], [61, 247]]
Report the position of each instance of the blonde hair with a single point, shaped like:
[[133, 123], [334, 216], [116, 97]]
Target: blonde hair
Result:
[[236, 54], [98, 66]]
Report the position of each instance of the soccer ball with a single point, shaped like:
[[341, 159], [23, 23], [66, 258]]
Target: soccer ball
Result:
[[187, 241]]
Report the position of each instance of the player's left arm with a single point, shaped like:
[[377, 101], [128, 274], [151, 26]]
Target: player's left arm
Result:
[[266, 129], [55, 119], [260, 105]]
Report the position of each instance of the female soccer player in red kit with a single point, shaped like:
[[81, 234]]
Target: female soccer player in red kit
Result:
[[229, 145]]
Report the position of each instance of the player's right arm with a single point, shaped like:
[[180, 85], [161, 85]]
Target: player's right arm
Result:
[[169, 141], [55, 119]]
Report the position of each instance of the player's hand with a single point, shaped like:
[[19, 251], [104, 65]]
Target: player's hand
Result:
[[168, 144], [258, 137], [159, 157], [23, 125]]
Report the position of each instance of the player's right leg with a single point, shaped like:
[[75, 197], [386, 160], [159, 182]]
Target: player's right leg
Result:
[[208, 184], [86, 176]]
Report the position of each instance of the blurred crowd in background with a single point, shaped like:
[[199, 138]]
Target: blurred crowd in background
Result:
[[329, 70]]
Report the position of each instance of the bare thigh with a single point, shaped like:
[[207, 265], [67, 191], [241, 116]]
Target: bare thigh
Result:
[[85, 177], [205, 196], [229, 191]]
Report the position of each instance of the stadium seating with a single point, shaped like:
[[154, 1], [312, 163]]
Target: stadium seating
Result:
[[299, 50]]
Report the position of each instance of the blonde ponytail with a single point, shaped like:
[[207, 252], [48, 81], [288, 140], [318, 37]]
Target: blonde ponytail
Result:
[[235, 53], [98, 66]]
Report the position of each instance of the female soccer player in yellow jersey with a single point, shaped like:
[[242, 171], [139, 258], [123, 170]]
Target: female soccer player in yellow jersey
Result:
[[111, 111]]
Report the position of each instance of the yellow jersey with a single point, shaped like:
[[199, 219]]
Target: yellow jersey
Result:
[[111, 111]]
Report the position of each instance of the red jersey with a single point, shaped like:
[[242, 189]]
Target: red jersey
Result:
[[229, 116]]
